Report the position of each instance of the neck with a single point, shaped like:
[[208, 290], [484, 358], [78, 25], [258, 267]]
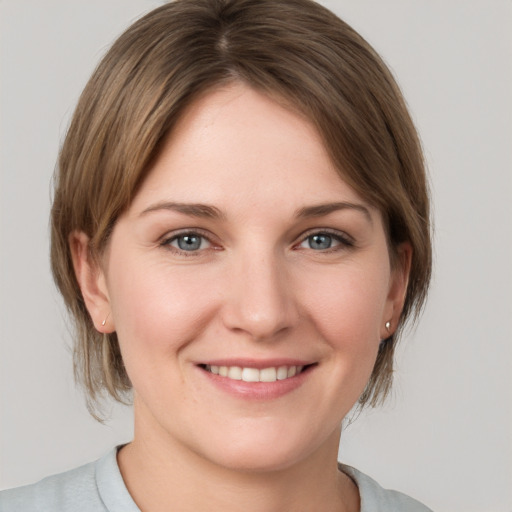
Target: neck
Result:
[[159, 471]]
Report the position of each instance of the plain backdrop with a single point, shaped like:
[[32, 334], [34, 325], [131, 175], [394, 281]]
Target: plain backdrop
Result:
[[445, 435]]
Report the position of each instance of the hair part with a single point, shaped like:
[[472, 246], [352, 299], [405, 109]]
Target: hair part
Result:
[[295, 51]]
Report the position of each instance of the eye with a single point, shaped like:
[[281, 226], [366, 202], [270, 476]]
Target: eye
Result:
[[320, 241], [323, 241], [188, 242]]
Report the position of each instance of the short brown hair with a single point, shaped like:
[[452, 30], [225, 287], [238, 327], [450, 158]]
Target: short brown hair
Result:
[[293, 50]]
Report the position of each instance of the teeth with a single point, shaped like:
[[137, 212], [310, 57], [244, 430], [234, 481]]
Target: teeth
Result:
[[282, 373], [235, 373], [250, 375], [268, 375], [255, 375]]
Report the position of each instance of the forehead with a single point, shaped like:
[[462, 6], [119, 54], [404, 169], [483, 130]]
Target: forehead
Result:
[[237, 146]]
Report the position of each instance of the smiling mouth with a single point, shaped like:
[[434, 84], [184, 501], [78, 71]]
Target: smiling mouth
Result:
[[271, 374]]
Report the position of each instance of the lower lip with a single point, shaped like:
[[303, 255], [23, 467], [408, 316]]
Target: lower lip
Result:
[[257, 390]]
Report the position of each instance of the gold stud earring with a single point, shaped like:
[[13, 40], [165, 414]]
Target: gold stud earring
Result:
[[105, 321], [388, 326]]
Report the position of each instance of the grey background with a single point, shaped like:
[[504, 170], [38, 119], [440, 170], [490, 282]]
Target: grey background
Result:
[[445, 436]]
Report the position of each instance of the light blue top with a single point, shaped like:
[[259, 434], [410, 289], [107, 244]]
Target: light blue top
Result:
[[99, 487]]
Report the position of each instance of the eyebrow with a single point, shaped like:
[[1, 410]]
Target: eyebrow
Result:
[[325, 209], [194, 209], [211, 212]]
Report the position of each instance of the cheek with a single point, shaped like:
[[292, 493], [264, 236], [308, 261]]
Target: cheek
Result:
[[157, 308], [347, 305], [346, 308]]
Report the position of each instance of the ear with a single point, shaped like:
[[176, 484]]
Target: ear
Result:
[[397, 289], [92, 282]]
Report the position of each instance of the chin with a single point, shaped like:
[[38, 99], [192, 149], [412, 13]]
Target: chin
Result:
[[251, 459], [264, 450]]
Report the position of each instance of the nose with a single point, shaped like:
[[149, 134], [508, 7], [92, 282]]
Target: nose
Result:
[[260, 299]]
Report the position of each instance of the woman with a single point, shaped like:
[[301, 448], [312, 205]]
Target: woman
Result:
[[240, 230]]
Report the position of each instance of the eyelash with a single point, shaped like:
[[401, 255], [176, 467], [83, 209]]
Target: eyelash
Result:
[[167, 241], [345, 241]]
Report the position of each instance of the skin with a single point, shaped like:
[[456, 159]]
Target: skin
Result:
[[257, 288]]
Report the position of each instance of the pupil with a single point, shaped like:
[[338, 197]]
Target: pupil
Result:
[[189, 242], [320, 242]]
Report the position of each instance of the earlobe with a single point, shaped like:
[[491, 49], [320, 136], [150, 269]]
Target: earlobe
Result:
[[398, 289], [91, 280]]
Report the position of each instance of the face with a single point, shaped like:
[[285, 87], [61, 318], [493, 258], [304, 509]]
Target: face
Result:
[[249, 286]]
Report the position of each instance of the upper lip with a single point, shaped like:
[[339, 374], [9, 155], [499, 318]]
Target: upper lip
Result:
[[257, 363]]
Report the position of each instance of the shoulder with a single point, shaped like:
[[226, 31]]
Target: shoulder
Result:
[[66, 491], [374, 497], [94, 487]]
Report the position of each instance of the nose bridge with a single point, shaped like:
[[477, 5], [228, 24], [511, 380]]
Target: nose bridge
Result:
[[260, 301]]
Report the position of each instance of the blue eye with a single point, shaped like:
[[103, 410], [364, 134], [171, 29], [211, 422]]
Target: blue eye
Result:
[[320, 241], [325, 241], [189, 242]]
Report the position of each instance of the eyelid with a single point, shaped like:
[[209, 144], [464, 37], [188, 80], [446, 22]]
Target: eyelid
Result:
[[341, 236], [165, 241], [344, 239]]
